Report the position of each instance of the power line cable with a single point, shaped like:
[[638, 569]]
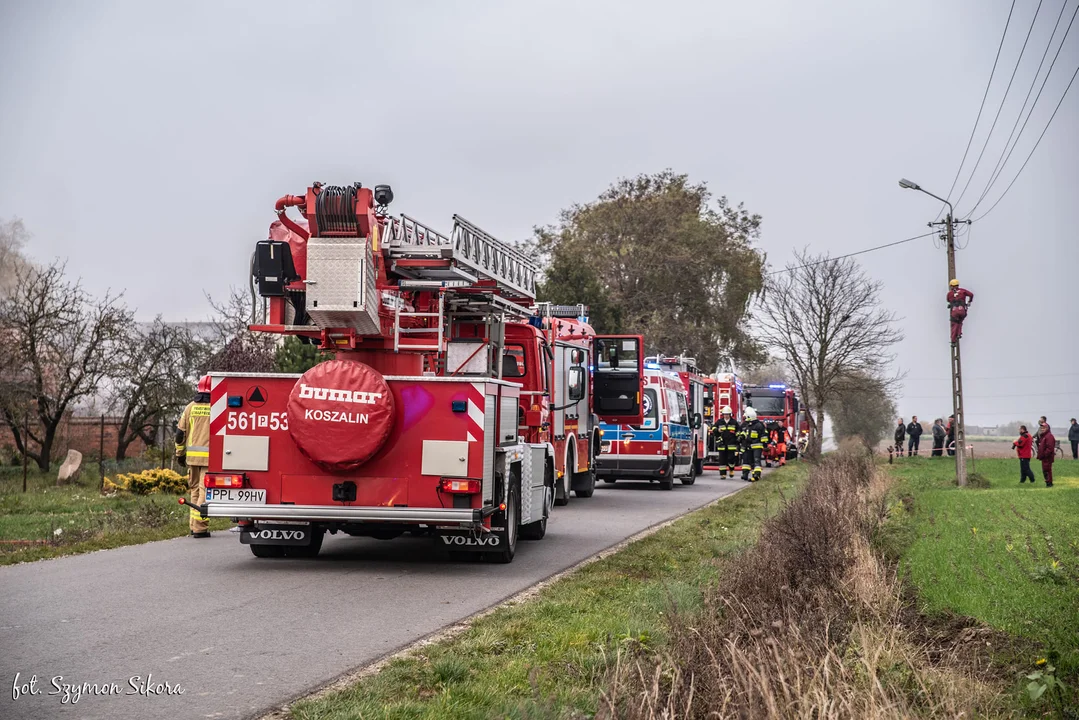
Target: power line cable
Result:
[[1029, 114], [1034, 81], [981, 107], [1003, 377], [1003, 100], [859, 252], [1023, 166]]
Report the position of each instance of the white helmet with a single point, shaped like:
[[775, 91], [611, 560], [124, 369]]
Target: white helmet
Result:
[[750, 414], [726, 410]]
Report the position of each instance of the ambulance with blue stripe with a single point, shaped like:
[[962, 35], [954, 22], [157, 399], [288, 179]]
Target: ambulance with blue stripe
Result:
[[660, 449]]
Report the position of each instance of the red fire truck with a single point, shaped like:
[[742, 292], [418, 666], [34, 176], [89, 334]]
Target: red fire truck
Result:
[[455, 407], [696, 385], [778, 408]]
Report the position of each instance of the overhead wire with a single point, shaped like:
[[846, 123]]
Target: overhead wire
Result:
[[1038, 142], [859, 252], [1027, 120], [981, 107], [1003, 100], [998, 167]]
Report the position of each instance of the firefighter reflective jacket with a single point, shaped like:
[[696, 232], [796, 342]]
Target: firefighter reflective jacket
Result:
[[726, 434], [193, 433], [755, 434]]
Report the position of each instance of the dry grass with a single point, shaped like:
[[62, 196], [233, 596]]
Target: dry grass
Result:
[[809, 623]]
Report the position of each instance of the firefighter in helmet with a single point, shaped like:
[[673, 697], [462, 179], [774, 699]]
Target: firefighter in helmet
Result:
[[193, 451], [754, 435], [959, 299], [726, 436]]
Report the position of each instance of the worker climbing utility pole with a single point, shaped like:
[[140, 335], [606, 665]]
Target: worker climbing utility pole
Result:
[[956, 360]]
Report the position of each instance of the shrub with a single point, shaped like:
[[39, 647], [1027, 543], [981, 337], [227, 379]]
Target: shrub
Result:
[[149, 482]]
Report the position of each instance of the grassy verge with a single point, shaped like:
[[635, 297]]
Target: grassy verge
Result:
[[549, 656], [49, 521], [1003, 553]]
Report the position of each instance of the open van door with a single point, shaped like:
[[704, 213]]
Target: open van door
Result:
[[618, 378]]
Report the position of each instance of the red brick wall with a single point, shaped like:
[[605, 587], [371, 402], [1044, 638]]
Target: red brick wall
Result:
[[82, 434]]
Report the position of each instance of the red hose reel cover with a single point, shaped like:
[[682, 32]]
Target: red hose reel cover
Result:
[[340, 413]]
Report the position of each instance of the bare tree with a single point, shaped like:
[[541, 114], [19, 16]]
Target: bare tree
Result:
[[154, 380], [58, 345], [771, 371], [235, 347], [824, 317]]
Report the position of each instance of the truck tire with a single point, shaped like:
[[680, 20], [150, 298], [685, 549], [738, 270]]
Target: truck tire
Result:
[[306, 551], [565, 485], [536, 530], [510, 527], [667, 481], [585, 483], [698, 466], [268, 551], [693, 471]]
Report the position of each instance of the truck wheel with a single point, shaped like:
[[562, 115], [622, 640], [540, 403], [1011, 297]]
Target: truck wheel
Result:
[[667, 481], [562, 494], [510, 526], [267, 551], [536, 530], [698, 467], [305, 551], [693, 471], [585, 482]]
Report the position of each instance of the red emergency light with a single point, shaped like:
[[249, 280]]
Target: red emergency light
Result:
[[461, 487], [214, 480]]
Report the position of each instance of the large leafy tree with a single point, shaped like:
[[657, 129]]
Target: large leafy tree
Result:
[[658, 256]]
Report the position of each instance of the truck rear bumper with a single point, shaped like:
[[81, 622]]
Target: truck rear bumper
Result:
[[346, 513]]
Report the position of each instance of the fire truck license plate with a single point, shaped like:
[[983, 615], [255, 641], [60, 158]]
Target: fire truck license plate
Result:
[[236, 495]]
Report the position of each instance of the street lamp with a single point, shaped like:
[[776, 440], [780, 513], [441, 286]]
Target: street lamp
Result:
[[957, 369]]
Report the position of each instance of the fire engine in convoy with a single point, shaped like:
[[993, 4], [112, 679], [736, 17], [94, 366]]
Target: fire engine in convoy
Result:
[[455, 407], [727, 392], [696, 385], [778, 408]]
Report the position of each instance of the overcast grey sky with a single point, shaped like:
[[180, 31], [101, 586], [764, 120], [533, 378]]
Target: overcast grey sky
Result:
[[147, 142]]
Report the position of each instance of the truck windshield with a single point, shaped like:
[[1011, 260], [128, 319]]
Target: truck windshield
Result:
[[765, 405]]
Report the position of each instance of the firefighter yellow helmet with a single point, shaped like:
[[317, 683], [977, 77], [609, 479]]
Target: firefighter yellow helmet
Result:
[[750, 414], [953, 282], [726, 410]]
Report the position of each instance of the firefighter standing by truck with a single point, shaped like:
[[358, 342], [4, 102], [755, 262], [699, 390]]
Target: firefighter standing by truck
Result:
[[726, 437], [753, 435], [193, 452]]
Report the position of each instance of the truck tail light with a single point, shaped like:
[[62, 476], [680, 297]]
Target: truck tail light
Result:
[[214, 480], [463, 487]]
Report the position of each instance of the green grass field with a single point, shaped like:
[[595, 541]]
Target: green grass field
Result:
[[48, 521], [548, 656], [1006, 554]]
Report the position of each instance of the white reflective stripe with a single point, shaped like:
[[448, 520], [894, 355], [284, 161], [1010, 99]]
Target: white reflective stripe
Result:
[[198, 448], [217, 408]]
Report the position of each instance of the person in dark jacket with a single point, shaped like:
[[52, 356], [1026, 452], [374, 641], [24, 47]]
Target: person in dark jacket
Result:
[[1047, 451], [949, 435], [900, 437], [914, 432], [938, 437], [1024, 447], [1073, 438]]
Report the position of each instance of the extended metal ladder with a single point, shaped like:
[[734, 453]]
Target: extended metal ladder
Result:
[[469, 255], [960, 420]]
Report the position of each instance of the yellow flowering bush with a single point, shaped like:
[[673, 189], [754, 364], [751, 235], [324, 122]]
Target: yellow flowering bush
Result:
[[149, 482]]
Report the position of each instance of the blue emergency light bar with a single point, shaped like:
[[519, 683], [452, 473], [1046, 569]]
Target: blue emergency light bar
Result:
[[652, 366], [778, 386]]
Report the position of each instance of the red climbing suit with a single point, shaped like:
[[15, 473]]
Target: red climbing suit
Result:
[[958, 300]]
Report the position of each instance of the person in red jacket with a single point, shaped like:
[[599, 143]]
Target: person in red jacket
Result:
[[958, 300], [1047, 450], [1023, 448]]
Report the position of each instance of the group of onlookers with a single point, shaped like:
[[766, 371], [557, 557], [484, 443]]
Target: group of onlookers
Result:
[[1043, 445], [943, 436]]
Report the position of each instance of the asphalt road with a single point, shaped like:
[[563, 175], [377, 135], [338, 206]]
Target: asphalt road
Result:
[[242, 635]]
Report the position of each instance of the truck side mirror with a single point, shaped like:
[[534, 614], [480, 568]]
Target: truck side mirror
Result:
[[575, 383], [697, 420]]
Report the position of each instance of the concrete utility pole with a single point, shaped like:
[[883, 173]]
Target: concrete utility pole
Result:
[[957, 366]]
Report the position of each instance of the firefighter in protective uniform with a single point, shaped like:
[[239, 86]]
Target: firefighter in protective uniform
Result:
[[754, 435], [725, 432], [193, 451]]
